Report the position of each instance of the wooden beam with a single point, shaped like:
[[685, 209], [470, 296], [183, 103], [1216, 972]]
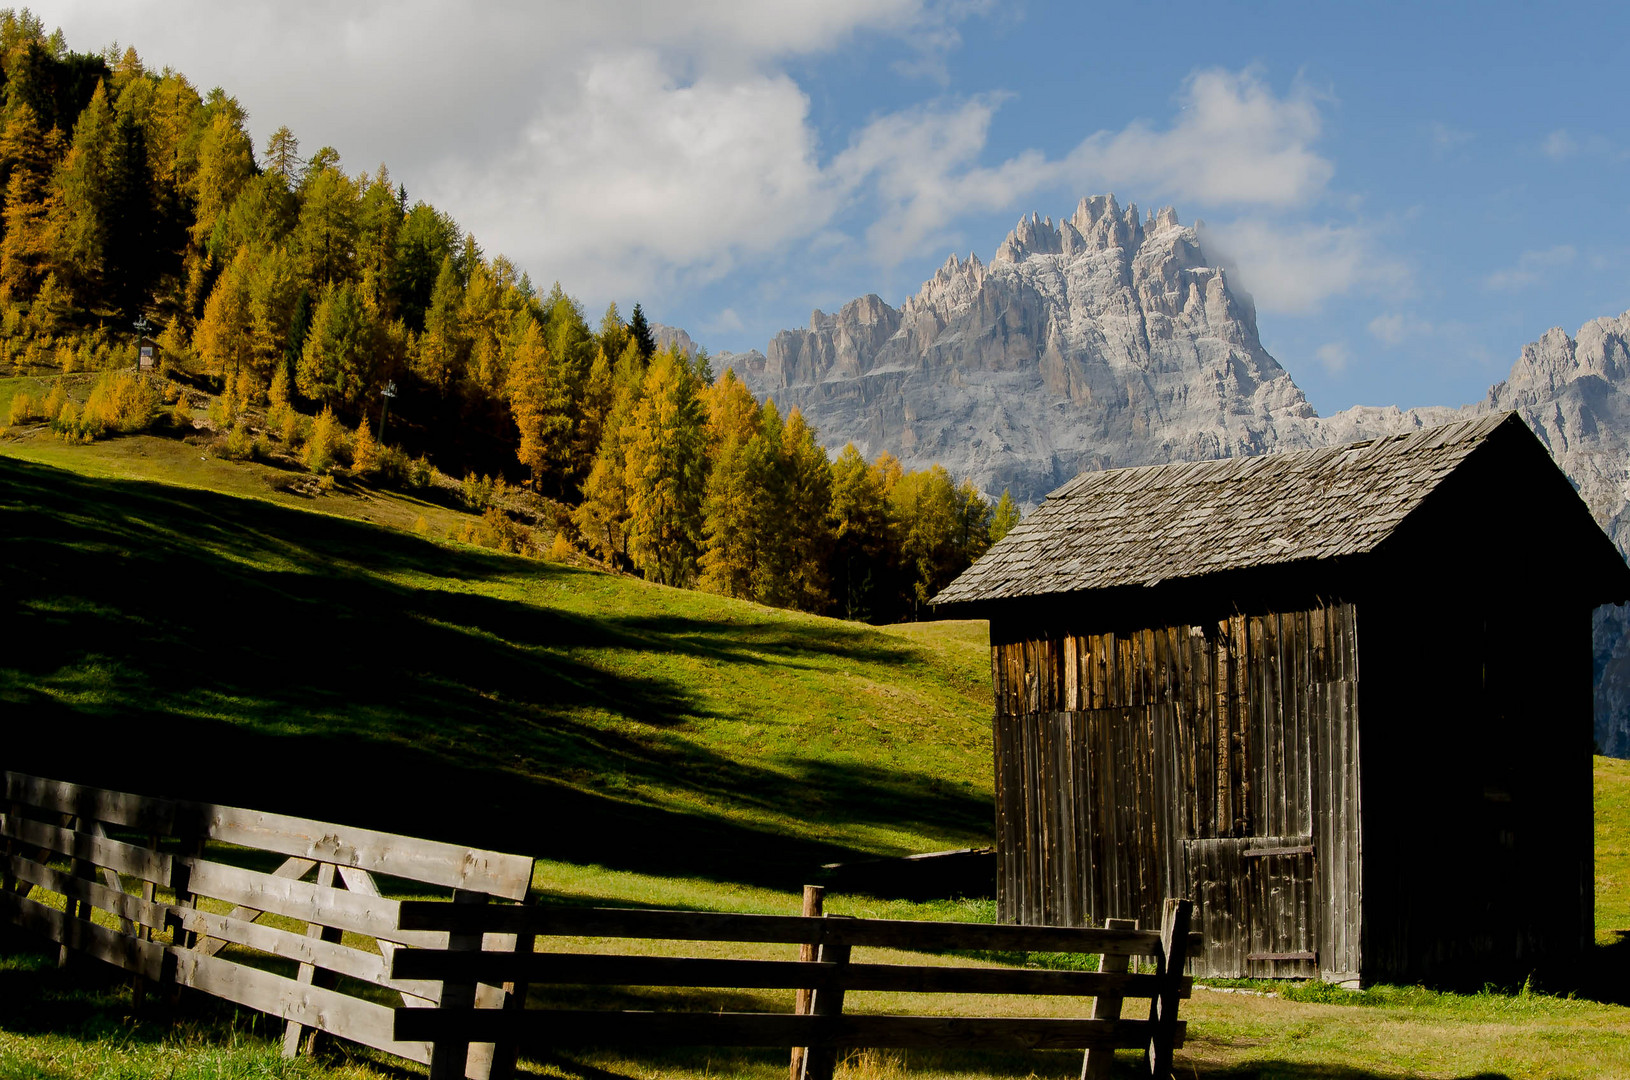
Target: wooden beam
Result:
[[421, 915], [566, 1027]]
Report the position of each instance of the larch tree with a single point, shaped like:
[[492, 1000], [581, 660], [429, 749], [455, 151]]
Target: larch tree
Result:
[[1004, 517], [283, 155], [806, 493], [325, 238], [863, 542], [666, 468], [444, 348], [24, 250], [540, 402], [79, 203], [224, 338], [734, 502]]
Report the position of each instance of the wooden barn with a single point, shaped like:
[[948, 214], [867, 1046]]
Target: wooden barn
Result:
[[1340, 697]]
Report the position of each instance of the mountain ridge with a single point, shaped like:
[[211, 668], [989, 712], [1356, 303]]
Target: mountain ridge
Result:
[[1110, 339]]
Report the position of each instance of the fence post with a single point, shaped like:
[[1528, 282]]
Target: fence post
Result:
[[448, 1057], [821, 1060], [1174, 949], [814, 906], [504, 1053], [1095, 1065]]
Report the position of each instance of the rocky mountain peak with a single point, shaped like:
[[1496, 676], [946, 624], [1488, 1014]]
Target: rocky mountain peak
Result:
[[1104, 338]]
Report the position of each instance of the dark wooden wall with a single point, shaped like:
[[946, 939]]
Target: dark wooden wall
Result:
[[1216, 760], [1478, 858]]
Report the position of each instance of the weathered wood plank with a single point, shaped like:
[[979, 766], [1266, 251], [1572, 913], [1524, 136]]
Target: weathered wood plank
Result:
[[552, 1027], [140, 812], [127, 906], [116, 855], [371, 915], [289, 945], [144, 958], [312, 1006], [430, 861]]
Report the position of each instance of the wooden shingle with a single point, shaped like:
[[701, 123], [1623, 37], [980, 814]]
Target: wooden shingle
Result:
[[1160, 523]]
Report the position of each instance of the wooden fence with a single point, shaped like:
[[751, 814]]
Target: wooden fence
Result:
[[826, 1029], [279, 914]]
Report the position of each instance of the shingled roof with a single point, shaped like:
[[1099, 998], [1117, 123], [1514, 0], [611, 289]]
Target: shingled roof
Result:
[[1147, 525]]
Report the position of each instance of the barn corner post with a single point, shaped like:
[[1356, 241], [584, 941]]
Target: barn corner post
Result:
[[1174, 947]]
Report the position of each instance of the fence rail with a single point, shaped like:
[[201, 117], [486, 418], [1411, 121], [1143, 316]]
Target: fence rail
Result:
[[176, 913], [825, 1029]]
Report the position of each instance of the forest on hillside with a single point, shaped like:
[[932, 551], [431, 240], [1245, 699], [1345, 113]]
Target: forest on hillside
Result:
[[308, 301]]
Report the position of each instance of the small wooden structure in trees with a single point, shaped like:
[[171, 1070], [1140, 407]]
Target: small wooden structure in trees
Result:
[[1341, 697]]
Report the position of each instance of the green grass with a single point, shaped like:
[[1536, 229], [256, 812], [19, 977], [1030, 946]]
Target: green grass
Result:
[[185, 626], [1612, 850], [262, 655]]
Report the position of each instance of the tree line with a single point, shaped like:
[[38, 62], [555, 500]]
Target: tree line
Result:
[[285, 280]]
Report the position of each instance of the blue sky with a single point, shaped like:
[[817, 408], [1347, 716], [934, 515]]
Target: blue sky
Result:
[[1410, 192]]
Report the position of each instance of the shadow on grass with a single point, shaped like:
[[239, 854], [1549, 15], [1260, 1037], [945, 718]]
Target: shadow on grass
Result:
[[179, 642]]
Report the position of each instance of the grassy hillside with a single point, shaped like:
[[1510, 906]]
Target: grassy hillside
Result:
[[196, 642], [651, 746]]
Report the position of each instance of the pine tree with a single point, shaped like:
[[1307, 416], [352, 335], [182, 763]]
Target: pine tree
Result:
[[130, 228], [337, 365], [379, 224], [272, 293], [226, 162], [423, 243], [640, 331], [665, 465]]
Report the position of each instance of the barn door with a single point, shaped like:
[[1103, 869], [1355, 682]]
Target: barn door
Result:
[[1258, 906]]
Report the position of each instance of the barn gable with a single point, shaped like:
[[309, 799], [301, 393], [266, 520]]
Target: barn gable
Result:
[[1145, 526]]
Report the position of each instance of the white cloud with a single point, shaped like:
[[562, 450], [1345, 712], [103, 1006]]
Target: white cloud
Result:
[[1530, 268], [1332, 356], [1395, 329], [636, 144], [636, 169], [1446, 138], [1293, 268], [1559, 145], [1234, 143]]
